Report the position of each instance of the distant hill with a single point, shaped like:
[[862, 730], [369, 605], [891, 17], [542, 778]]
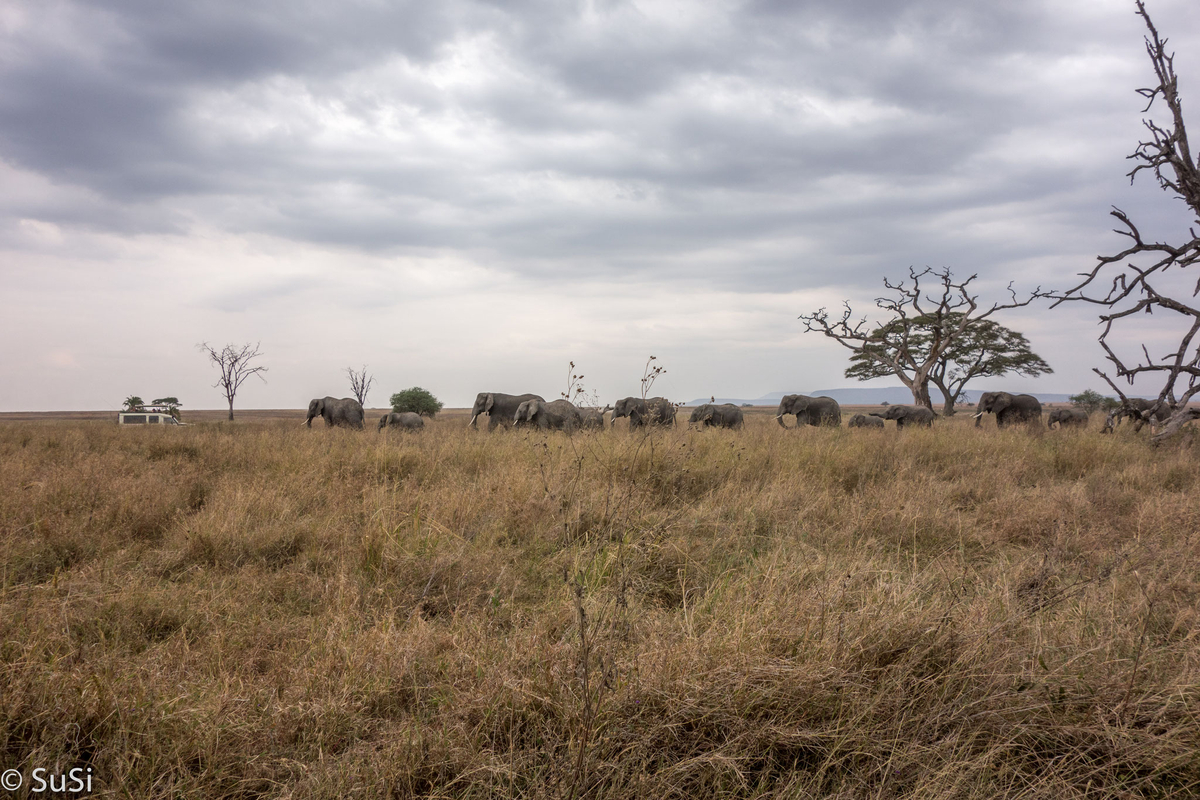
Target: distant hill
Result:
[[855, 396]]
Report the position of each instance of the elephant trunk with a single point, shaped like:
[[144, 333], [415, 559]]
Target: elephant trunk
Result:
[[977, 418]]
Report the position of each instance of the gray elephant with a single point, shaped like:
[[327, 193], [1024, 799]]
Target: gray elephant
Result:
[[345, 412], [405, 420], [1141, 411], [1068, 418], [500, 408], [864, 421], [1009, 409], [810, 410], [726, 415], [593, 418], [907, 415], [654, 411], [557, 415]]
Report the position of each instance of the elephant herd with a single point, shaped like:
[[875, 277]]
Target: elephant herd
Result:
[[346, 412], [532, 410], [519, 410]]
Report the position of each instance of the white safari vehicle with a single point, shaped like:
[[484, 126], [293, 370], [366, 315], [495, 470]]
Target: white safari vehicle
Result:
[[146, 418]]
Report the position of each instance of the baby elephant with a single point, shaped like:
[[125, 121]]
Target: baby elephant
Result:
[[406, 420], [864, 421], [593, 418], [1068, 418]]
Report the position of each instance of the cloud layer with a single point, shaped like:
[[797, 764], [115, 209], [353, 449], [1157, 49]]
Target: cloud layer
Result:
[[466, 195]]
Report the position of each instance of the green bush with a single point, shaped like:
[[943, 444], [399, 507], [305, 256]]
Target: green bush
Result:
[[417, 400], [1091, 401]]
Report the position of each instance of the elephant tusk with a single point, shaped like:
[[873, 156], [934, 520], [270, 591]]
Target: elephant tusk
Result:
[[980, 414], [471, 424]]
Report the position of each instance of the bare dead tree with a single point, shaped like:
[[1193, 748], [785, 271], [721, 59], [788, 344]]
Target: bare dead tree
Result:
[[235, 367], [921, 325], [360, 383], [1126, 288]]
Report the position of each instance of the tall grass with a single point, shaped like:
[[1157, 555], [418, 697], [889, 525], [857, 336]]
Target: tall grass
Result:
[[261, 609]]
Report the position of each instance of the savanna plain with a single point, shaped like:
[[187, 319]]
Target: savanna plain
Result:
[[254, 609]]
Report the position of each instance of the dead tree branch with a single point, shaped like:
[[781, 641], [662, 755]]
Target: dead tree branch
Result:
[[1133, 281]]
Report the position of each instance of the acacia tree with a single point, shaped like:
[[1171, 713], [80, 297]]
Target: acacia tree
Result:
[[1135, 280], [360, 383], [416, 400], [984, 348], [171, 404], [235, 367], [923, 326]]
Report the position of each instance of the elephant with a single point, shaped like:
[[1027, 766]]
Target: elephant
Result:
[[593, 418], [1068, 418], [907, 415], [1009, 408], [652, 411], [1138, 409], [557, 415], [810, 410], [726, 415], [407, 420], [864, 421], [500, 408], [346, 411]]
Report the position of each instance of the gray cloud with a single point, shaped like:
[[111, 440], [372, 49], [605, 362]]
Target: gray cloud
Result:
[[742, 147]]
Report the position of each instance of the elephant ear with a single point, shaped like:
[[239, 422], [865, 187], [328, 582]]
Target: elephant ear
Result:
[[488, 403]]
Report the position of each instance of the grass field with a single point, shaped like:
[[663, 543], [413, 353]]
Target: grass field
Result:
[[256, 609]]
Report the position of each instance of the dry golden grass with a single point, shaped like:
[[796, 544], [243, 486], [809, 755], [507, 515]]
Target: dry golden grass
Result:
[[260, 609]]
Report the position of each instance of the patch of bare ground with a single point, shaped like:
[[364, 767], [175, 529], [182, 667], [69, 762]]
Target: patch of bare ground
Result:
[[259, 609]]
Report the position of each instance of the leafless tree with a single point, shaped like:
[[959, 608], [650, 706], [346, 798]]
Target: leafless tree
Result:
[[1126, 288], [360, 383], [921, 325], [234, 363]]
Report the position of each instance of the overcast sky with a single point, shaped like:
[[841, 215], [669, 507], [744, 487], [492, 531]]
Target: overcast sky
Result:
[[466, 196]]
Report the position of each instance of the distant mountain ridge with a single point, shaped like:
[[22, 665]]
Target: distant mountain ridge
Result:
[[856, 396]]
